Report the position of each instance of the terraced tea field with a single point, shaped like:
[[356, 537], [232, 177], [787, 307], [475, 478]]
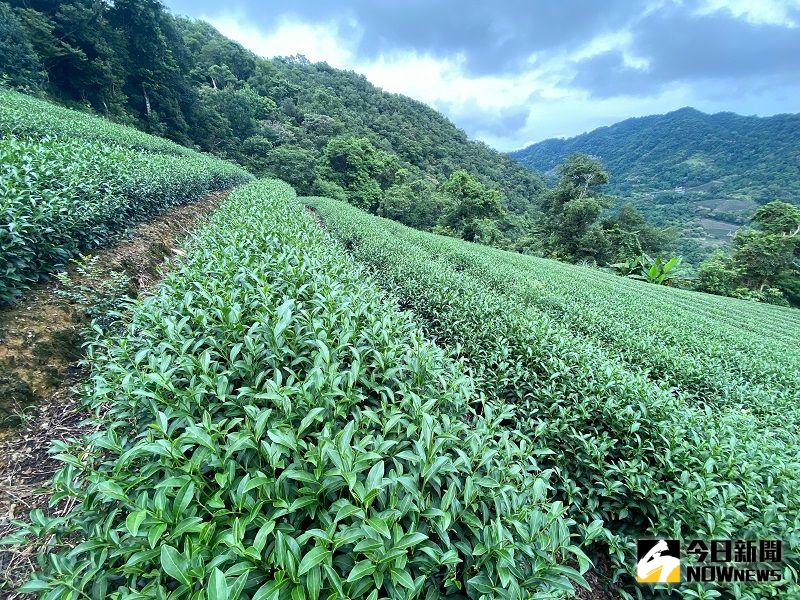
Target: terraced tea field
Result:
[[662, 412], [273, 426], [69, 182], [333, 405]]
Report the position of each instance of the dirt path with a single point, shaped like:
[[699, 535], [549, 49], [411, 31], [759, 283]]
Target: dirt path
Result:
[[40, 346]]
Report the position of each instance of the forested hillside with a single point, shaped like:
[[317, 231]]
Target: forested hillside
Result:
[[703, 173], [306, 123]]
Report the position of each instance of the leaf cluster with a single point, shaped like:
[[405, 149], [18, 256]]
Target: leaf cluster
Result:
[[273, 426]]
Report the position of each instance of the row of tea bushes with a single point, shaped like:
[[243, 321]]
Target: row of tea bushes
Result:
[[637, 454], [718, 352], [22, 115], [59, 197], [273, 426]]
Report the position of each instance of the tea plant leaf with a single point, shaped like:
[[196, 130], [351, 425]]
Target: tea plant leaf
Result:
[[314, 557], [360, 570], [134, 521], [174, 564], [217, 586]]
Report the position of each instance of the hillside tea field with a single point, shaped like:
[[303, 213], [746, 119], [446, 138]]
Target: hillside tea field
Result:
[[333, 405], [662, 413], [273, 426], [69, 182], [22, 115]]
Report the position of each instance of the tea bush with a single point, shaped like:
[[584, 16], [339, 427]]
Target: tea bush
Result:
[[22, 115], [272, 426], [59, 197], [644, 456], [718, 352]]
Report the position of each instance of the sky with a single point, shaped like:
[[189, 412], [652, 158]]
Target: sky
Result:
[[514, 72]]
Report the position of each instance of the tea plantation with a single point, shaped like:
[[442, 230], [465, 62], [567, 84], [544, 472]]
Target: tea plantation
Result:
[[69, 181], [320, 403], [273, 426], [662, 413]]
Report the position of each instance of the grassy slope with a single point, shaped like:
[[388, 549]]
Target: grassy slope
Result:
[[23, 115]]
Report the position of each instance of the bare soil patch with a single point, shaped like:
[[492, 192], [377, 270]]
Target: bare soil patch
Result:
[[40, 347]]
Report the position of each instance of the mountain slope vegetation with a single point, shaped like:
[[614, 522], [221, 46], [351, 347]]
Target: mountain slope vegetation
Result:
[[134, 62], [703, 173]]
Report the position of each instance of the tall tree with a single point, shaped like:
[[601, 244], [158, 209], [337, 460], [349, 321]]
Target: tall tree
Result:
[[361, 169], [471, 205], [765, 252], [765, 260], [628, 234], [156, 66], [19, 63], [570, 210], [79, 50]]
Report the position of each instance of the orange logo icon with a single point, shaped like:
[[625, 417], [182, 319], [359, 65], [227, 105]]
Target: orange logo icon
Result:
[[659, 561]]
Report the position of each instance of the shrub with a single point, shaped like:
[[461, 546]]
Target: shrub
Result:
[[274, 427], [713, 456]]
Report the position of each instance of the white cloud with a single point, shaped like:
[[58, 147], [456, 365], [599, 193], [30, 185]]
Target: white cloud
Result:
[[758, 12], [616, 40], [429, 79], [317, 41], [554, 108]]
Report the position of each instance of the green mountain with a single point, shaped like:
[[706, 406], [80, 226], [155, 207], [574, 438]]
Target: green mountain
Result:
[[702, 173], [133, 61]]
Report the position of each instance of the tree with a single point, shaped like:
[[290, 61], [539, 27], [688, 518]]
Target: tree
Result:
[[77, 48], [763, 263], [18, 60], [470, 204], [243, 109], [415, 203], [570, 210], [764, 253], [156, 66], [761, 257], [718, 274], [292, 164], [627, 235], [361, 169], [779, 218]]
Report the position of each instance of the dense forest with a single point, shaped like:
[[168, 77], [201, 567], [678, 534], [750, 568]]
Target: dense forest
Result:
[[703, 173], [324, 130]]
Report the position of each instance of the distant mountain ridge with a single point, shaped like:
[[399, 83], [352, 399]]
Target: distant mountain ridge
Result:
[[703, 173]]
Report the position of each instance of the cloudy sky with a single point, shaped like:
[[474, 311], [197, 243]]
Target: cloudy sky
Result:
[[513, 72]]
